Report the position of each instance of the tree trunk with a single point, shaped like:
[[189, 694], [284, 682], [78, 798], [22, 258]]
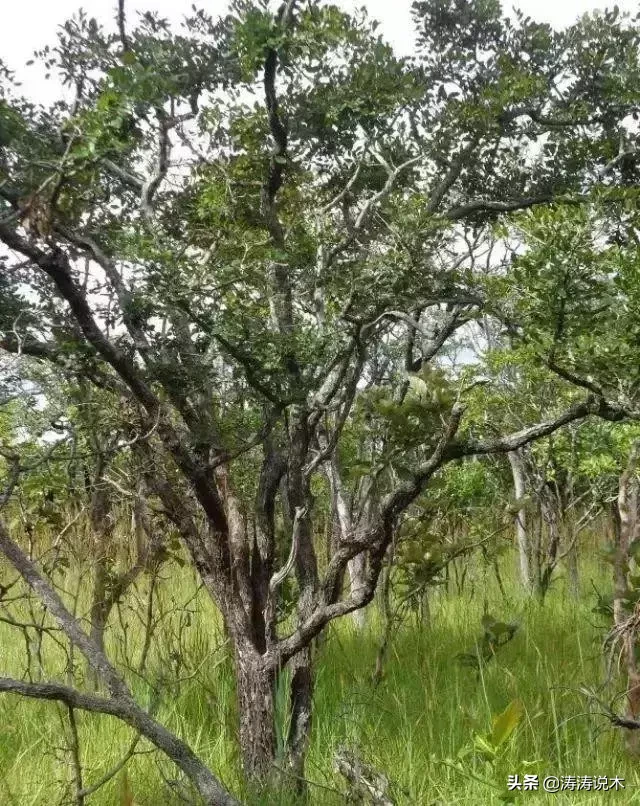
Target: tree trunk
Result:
[[549, 516], [255, 687], [624, 530], [573, 572], [571, 529], [357, 581], [522, 535], [100, 608], [102, 524], [357, 566], [302, 683], [306, 569]]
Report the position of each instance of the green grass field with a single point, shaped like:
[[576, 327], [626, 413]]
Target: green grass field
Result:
[[414, 727]]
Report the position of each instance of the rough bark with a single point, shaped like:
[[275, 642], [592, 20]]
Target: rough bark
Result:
[[255, 684], [302, 687], [549, 516]]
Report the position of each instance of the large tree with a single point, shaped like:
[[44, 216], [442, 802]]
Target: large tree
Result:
[[251, 234]]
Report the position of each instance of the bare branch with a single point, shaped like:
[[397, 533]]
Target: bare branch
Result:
[[207, 784], [492, 206], [128, 178], [337, 199], [159, 172], [455, 169], [50, 599], [511, 442], [370, 205], [121, 703], [108, 776], [375, 541], [278, 578], [56, 265]]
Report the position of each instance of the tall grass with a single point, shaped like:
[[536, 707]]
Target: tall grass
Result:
[[413, 726]]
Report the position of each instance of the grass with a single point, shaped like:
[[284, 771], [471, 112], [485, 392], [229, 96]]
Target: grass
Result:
[[414, 727]]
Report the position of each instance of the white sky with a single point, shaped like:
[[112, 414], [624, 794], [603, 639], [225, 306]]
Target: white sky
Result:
[[30, 24]]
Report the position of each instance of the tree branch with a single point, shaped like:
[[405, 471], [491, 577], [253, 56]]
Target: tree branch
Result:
[[153, 182], [56, 265], [121, 704]]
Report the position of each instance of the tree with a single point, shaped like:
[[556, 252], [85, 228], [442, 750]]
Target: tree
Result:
[[251, 234]]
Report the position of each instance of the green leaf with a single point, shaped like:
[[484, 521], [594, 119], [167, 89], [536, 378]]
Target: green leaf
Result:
[[484, 746], [129, 58], [505, 723]]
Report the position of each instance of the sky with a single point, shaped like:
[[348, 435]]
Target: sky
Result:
[[30, 24]]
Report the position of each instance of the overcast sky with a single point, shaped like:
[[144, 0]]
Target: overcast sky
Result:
[[30, 24]]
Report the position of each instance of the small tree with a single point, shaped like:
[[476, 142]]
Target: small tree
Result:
[[236, 229]]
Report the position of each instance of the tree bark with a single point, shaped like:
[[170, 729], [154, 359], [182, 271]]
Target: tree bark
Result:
[[102, 523], [306, 568], [522, 536], [100, 607], [625, 520], [357, 567], [302, 684], [571, 529], [549, 517], [357, 581], [255, 685]]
